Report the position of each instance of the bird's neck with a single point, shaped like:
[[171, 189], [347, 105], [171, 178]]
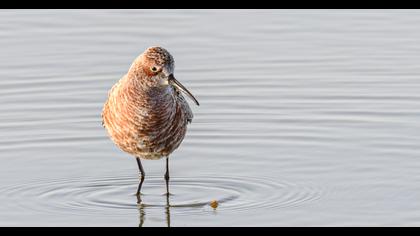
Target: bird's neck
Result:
[[150, 93]]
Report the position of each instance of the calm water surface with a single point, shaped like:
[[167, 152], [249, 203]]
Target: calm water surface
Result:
[[307, 118]]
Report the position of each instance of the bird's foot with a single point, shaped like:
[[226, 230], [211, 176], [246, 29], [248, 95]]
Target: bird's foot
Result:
[[138, 198]]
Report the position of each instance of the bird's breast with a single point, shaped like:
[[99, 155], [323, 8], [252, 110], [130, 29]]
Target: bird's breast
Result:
[[160, 124], [146, 123]]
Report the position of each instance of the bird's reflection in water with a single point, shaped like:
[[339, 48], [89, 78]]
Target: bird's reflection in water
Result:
[[142, 214], [168, 211], [142, 211]]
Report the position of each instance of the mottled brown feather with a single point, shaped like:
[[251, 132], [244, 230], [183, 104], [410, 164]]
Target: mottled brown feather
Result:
[[144, 117]]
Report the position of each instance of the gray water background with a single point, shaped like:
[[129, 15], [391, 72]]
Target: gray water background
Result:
[[307, 118]]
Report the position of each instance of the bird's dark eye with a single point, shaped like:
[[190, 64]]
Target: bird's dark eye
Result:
[[154, 69]]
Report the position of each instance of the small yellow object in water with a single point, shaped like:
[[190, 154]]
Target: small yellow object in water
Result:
[[214, 204]]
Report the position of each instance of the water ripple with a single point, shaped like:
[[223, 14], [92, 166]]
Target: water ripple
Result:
[[115, 195]]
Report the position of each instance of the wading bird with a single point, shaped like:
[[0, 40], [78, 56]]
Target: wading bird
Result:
[[145, 113]]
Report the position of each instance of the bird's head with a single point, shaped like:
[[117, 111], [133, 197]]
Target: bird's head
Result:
[[158, 66]]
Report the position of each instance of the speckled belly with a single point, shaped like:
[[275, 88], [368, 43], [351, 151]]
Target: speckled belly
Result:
[[150, 136]]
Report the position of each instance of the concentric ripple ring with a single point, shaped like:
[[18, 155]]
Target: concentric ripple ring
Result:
[[115, 195]]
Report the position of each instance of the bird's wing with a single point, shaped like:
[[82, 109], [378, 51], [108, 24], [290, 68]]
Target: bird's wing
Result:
[[186, 107], [105, 105]]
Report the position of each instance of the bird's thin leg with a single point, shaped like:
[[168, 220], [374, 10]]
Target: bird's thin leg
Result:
[[167, 176], [142, 175]]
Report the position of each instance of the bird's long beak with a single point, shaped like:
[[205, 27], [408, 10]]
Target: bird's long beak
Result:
[[177, 84]]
